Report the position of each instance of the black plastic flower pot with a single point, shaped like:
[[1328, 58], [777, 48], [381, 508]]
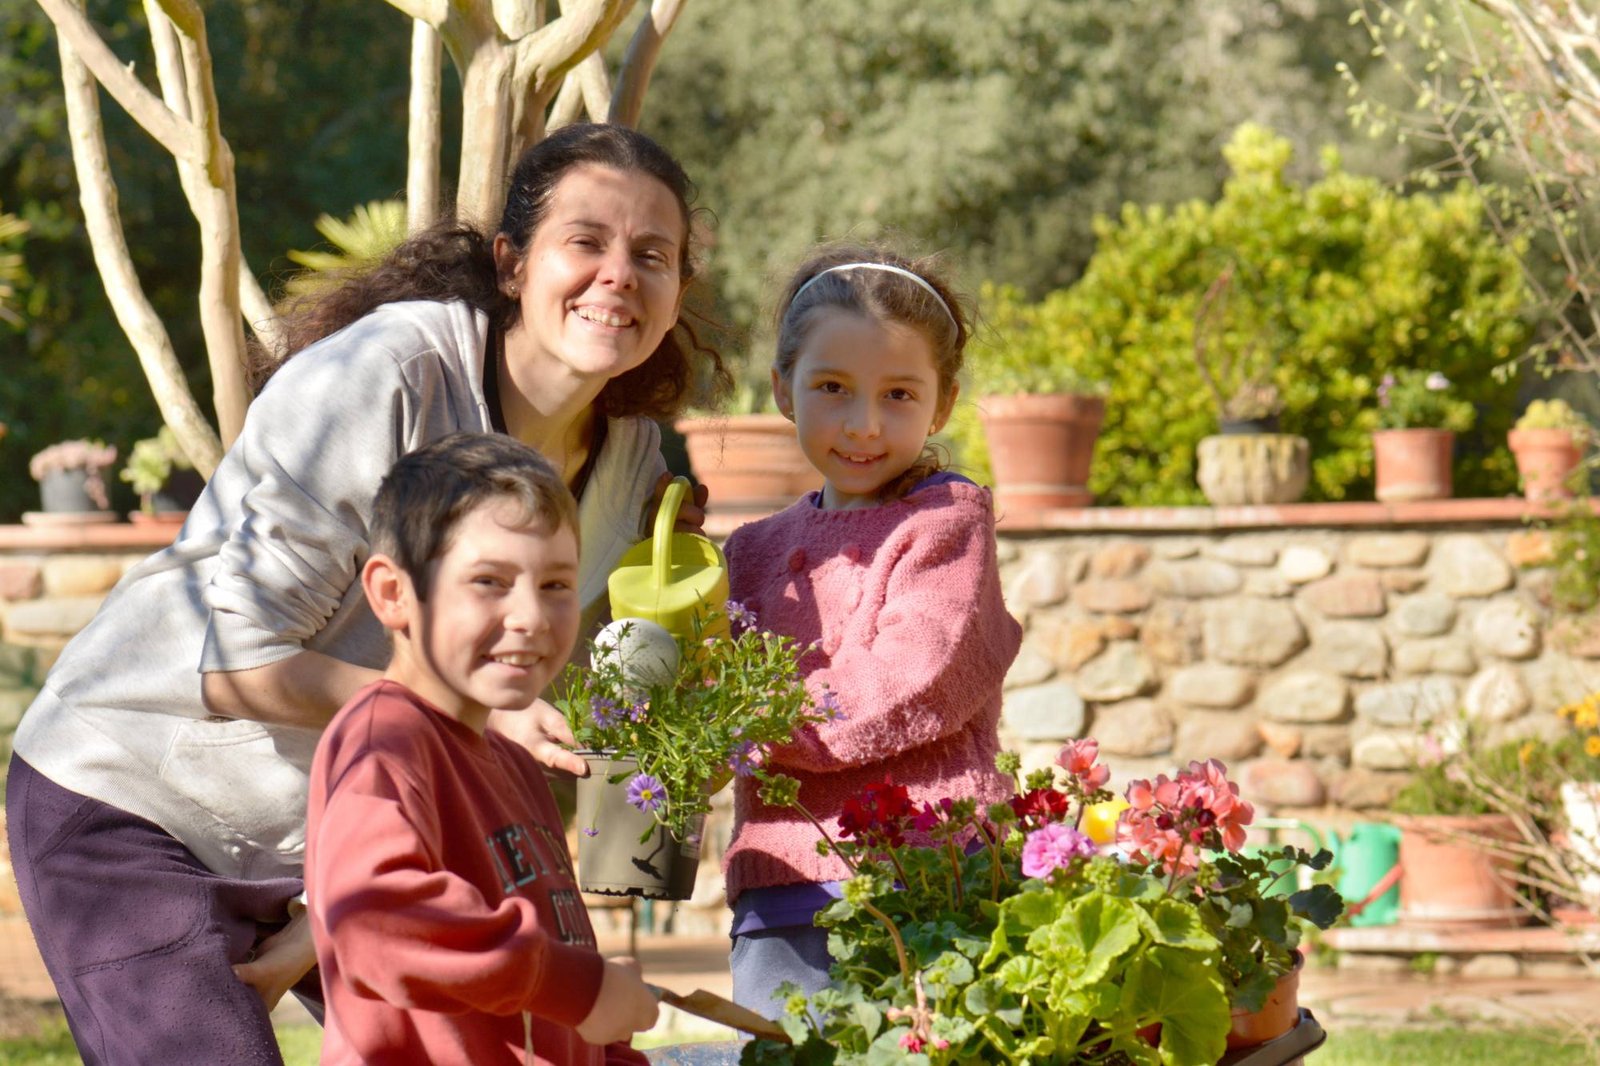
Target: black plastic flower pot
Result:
[[611, 859]]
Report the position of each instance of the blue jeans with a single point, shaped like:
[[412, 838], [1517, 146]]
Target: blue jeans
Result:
[[766, 958]]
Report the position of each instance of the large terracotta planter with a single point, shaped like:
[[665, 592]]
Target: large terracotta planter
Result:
[[748, 462], [1241, 469], [1040, 447], [1546, 459], [1449, 882], [1413, 464]]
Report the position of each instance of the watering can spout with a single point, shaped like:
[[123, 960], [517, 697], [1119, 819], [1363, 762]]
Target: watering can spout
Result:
[[677, 580]]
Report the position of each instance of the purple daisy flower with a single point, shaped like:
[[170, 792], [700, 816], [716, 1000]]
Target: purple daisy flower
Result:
[[604, 711], [739, 615], [829, 706], [742, 762], [638, 711], [646, 793], [590, 831]]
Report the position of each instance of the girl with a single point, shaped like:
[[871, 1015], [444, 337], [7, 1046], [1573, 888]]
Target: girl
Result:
[[157, 793], [890, 568]]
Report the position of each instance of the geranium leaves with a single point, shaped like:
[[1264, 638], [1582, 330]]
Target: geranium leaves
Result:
[[1184, 991]]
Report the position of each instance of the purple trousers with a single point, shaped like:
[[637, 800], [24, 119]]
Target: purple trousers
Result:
[[137, 935]]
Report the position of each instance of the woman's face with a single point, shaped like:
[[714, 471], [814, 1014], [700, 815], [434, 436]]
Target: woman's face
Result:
[[602, 279]]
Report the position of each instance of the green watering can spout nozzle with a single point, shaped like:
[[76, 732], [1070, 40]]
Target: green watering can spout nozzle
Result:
[[677, 580]]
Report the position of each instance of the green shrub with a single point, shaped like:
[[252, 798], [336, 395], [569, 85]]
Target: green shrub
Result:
[[1346, 278]]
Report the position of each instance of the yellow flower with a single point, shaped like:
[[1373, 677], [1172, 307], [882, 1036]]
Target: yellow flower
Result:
[[1586, 718], [1592, 747]]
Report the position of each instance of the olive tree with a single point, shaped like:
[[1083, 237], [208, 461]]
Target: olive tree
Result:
[[525, 66]]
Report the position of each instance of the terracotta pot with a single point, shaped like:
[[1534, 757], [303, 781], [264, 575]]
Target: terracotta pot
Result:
[[1279, 1014], [1239, 469], [67, 492], [1546, 458], [748, 462], [1449, 882], [1413, 464], [612, 860], [1040, 447]]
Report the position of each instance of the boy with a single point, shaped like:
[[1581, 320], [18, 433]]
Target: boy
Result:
[[447, 923]]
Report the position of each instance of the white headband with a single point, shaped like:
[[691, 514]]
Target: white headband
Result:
[[888, 267]]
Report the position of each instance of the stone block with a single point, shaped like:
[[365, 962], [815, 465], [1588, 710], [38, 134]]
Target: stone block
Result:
[[1030, 667], [1173, 633], [1249, 632], [1070, 643], [1221, 735], [1120, 672], [1138, 728], [1353, 649], [1119, 560], [1276, 783], [1360, 789], [1409, 703], [13, 701], [20, 580], [1386, 551], [1496, 694], [1282, 740], [1041, 580], [1112, 596], [1530, 547], [1175, 549], [1052, 711], [1402, 581], [1507, 629], [1301, 563], [1269, 584], [1237, 551], [1304, 696], [80, 575], [1212, 685], [1194, 579], [1496, 965], [1435, 655], [1346, 596], [1325, 742], [1006, 550], [1117, 628], [1427, 614], [1385, 750], [1577, 636], [49, 622], [1466, 567]]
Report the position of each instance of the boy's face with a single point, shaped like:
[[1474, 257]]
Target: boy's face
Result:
[[500, 620]]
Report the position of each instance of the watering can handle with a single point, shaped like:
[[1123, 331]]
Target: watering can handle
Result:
[[666, 519]]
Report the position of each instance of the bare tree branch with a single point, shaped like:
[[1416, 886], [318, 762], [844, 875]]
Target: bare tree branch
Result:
[[97, 192], [423, 136], [639, 63], [569, 101], [433, 12]]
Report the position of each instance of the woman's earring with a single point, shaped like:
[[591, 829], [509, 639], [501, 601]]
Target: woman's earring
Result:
[[511, 293]]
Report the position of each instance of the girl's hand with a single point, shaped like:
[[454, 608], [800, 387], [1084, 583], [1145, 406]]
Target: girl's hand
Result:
[[544, 732], [692, 513], [280, 961]]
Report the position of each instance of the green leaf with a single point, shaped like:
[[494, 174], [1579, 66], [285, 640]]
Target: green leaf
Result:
[[1023, 974], [1320, 905], [1090, 934], [1184, 993], [1177, 925]]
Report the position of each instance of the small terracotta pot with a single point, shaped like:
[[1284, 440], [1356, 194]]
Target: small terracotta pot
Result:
[[1546, 458], [748, 462], [1449, 882], [1413, 464], [1279, 1014], [1040, 447]]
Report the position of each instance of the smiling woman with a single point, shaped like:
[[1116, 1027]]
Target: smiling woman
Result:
[[165, 762]]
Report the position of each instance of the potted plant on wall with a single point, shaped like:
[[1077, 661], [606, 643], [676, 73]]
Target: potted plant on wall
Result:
[[1548, 442], [749, 458], [1414, 443], [71, 482], [1040, 416], [162, 475], [664, 723], [1249, 461]]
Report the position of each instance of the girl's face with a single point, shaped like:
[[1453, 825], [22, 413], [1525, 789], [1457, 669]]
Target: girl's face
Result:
[[864, 396], [602, 281]]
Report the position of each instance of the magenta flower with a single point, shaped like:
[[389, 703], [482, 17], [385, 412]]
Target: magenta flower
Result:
[[1053, 847], [646, 793]]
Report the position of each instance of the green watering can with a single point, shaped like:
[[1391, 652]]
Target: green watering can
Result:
[[1366, 860], [677, 580]]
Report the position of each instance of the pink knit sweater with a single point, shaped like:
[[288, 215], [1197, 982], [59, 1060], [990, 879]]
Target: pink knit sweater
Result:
[[915, 640]]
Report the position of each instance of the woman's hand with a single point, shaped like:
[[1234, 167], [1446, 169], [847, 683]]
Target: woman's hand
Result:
[[691, 513], [624, 1006], [544, 732], [280, 961]]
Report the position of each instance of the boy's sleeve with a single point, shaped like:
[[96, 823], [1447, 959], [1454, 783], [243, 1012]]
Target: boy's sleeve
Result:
[[405, 931], [939, 651]]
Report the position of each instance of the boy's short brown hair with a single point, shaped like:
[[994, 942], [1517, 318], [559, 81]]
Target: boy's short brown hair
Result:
[[427, 493]]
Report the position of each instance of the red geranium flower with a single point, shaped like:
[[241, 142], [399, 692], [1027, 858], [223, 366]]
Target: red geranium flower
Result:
[[878, 816]]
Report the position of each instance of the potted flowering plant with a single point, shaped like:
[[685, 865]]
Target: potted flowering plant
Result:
[[1010, 935], [162, 475], [665, 722], [1418, 421], [1548, 442], [69, 476]]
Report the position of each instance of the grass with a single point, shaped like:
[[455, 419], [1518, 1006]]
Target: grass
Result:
[[52, 1046]]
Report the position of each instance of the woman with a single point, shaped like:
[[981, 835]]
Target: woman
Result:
[[156, 796]]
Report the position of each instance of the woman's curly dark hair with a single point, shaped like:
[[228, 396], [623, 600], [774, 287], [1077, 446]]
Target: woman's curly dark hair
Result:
[[455, 261]]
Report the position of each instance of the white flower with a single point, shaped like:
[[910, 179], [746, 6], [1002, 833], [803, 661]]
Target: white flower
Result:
[[1437, 382]]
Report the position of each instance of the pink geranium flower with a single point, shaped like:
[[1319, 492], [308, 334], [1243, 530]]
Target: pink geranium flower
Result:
[[1078, 757], [1171, 819], [1053, 847]]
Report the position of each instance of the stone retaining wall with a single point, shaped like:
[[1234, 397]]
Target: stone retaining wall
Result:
[[1310, 647]]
